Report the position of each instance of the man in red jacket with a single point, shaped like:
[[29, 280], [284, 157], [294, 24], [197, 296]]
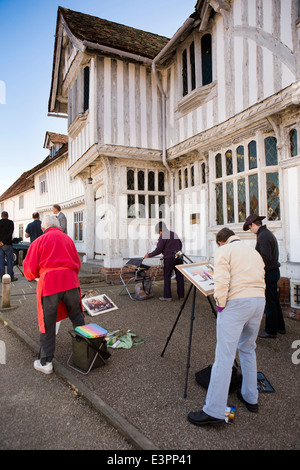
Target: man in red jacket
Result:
[[53, 259]]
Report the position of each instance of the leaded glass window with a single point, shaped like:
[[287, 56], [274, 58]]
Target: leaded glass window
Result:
[[141, 181], [142, 207], [138, 203], [253, 194], [193, 65], [240, 159], [192, 176], [230, 202], [161, 181], [184, 73], [293, 142], [271, 151], [151, 181], [228, 158], [86, 88], [273, 201], [218, 165], [179, 180], [130, 206], [161, 207], [241, 199], [186, 178], [219, 204], [206, 56], [151, 205], [239, 186], [252, 155], [203, 173], [130, 180]]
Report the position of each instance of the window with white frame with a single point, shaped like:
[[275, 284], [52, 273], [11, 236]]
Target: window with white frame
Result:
[[43, 184], [246, 183], [86, 88], [293, 138], [295, 293], [78, 226], [191, 175], [146, 195], [21, 202], [196, 63]]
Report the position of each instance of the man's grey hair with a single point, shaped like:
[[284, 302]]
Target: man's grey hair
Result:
[[50, 221]]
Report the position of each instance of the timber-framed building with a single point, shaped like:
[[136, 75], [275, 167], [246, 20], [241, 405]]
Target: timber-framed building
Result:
[[199, 130]]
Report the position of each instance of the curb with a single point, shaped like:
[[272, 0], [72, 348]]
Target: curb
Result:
[[129, 432]]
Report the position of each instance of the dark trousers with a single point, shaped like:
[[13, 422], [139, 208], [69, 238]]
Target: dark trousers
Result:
[[274, 315], [6, 254], [169, 265], [71, 299]]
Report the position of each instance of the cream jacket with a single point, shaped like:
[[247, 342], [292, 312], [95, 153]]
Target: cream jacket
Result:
[[239, 272]]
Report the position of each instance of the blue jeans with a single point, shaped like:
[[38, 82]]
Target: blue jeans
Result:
[[6, 254], [237, 328]]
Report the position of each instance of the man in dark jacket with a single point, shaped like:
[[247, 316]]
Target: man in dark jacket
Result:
[[34, 229], [6, 248], [267, 246], [168, 245]]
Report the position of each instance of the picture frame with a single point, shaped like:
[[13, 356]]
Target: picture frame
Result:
[[199, 274], [98, 304]]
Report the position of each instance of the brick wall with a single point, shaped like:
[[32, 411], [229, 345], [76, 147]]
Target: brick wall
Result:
[[112, 275], [285, 299]]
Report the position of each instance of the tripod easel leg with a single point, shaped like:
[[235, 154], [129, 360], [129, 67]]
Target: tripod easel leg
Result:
[[190, 343], [174, 326]]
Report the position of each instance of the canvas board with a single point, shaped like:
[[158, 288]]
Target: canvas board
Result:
[[98, 304], [200, 274]]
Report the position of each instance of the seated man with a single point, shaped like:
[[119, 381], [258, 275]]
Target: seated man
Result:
[[53, 259]]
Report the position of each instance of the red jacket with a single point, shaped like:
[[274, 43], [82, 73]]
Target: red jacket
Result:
[[53, 259]]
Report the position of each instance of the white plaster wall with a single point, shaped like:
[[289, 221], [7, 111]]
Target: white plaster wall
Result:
[[292, 205]]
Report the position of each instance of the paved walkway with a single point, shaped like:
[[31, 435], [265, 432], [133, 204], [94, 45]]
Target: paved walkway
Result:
[[136, 400]]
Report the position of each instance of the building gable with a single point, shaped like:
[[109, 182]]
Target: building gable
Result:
[[76, 32]]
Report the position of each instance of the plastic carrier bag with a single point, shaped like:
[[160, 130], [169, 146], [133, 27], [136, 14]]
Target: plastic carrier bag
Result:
[[143, 289]]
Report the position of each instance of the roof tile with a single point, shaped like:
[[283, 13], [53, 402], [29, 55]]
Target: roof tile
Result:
[[114, 35]]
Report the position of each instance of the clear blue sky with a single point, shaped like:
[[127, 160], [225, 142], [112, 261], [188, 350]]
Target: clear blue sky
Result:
[[27, 29]]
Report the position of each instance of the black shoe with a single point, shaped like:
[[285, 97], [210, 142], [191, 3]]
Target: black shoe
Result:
[[282, 332], [249, 406], [264, 334], [14, 279], [200, 418]]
